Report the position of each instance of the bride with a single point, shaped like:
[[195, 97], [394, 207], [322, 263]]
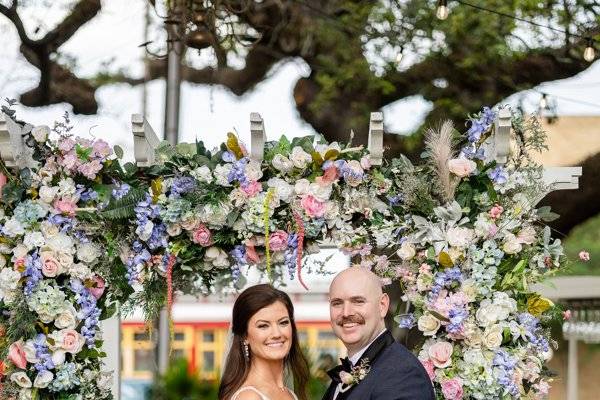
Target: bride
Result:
[[264, 345]]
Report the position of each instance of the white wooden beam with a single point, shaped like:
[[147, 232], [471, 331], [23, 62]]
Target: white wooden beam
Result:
[[376, 138], [13, 150], [562, 178], [111, 334], [257, 137], [145, 141], [501, 142]]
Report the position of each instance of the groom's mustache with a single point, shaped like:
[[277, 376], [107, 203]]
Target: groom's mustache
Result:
[[353, 319]]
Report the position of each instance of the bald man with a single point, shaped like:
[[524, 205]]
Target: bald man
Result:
[[357, 307]]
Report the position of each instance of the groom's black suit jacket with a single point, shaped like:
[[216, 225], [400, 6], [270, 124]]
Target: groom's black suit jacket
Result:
[[396, 374]]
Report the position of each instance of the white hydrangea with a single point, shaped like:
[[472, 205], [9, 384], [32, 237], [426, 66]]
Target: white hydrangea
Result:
[[61, 243], [34, 240], [13, 228], [221, 173], [202, 174], [47, 301], [88, 253], [284, 190], [9, 282]]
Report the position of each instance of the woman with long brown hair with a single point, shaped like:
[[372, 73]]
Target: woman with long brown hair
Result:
[[264, 345]]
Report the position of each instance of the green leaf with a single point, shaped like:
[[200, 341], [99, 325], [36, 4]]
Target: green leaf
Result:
[[83, 153], [124, 207], [118, 152]]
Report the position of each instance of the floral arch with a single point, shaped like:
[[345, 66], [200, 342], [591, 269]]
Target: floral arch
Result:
[[81, 232]]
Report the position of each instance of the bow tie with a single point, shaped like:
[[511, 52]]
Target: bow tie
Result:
[[346, 365]]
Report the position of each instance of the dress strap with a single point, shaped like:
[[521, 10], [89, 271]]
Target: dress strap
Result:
[[251, 388]]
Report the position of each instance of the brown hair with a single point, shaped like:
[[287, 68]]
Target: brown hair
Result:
[[248, 303]]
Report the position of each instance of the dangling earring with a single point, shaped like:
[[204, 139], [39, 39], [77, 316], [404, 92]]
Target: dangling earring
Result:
[[246, 351]]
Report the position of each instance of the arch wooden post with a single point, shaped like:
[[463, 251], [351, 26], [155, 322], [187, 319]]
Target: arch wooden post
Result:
[[257, 137], [376, 138]]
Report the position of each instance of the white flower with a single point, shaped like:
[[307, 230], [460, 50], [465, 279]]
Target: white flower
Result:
[[284, 190], [145, 231], [526, 235], [221, 173], [43, 379], [428, 324], [48, 193], [506, 303], [2, 262], [321, 192], [68, 340], [406, 251], [48, 229], [25, 394], [488, 314], [30, 352], [173, 229], [324, 148], [282, 163], [81, 271], [40, 133], [461, 167], [19, 251], [58, 357], [61, 243], [300, 158], [21, 379], [105, 380], [460, 237], [301, 186], [33, 240], [9, 282], [483, 226], [475, 357], [202, 174], [12, 228], [217, 257], [492, 337], [66, 187], [253, 170], [88, 253], [512, 245], [64, 259], [67, 319], [473, 335]]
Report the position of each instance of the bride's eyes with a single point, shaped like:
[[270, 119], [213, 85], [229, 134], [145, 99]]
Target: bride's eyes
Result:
[[285, 323]]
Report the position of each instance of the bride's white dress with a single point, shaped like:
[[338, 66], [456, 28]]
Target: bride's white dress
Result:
[[255, 390]]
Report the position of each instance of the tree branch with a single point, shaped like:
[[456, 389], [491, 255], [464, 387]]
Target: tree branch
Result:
[[13, 16], [83, 12]]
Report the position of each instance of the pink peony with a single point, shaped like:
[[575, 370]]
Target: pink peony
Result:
[[566, 315], [278, 240], [461, 167], [64, 206], [66, 145], [50, 265], [98, 289], [251, 255], [584, 255], [312, 207], [202, 236], [496, 211], [70, 161], [440, 354], [89, 170], [101, 149], [2, 183], [16, 354], [252, 188], [72, 341], [452, 389], [428, 365], [331, 175]]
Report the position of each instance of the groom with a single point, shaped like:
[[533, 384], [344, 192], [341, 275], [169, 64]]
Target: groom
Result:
[[357, 307]]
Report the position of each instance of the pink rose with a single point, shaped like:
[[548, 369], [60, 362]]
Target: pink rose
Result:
[[202, 236], [461, 167], [70, 161], [331, 175], [50, 265], [90, 169], [313, 207], [72, 341], [251, 255], [441, 354], [278, 240], [98, 289], [2, 183], [66, 145], [452, 389], [566, 315], [365, 162], [16, 354], [496, 211], [101, 149], [252, 189], [64, 206], [584, 255], [428, 365]]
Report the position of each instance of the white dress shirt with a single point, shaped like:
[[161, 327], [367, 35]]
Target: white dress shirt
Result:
[[354, 359]]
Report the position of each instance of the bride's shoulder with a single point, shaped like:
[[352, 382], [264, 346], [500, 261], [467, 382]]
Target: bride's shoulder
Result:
[[247, 393]]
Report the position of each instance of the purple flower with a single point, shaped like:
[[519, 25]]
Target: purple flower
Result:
[[121, 191], [228, 157], [89, 312], [238, 172], [489, 116], [395, 200], [476, 130], [182, 185], [457, 317], [407, 321], [472, 152], [498, 175], [291, 254], [32, 273]]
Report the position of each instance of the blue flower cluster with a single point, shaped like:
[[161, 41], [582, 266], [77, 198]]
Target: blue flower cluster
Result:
[[498, 175], [395, 200], [64, 224], [477, 128], [42, 353], [32, 273], [347, 172], [89, 312], [445, 279], [407, 321], [65, 378], [291, 254], [238, 172], [533, 331], [145, 211], [140, 256], [505, 367], [86, 194], [182, 185], [457, 316], [239, 255], [120, 191]]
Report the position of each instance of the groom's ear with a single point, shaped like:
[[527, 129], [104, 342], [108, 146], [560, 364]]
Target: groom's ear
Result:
[[384, 304]]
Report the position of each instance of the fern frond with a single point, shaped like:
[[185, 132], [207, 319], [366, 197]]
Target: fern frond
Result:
[[124, 208]]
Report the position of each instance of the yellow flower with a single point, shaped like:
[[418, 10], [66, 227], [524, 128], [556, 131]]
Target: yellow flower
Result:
[[537, 305]]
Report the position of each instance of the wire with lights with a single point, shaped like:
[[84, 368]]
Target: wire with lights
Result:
[[442, 12]]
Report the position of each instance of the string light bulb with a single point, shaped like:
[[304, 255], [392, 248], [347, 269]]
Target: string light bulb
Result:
[[442, 9], [544, 102], [399, 56], [589, 53]]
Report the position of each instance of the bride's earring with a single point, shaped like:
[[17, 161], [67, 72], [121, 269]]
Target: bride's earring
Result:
[[246, 351]]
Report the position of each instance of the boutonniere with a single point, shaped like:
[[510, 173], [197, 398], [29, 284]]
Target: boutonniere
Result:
[[356, 374]]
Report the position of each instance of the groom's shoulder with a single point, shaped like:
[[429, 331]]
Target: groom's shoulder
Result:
[[398, 357]]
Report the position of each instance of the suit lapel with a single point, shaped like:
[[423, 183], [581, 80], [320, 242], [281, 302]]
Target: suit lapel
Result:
[[330, 391], [370, 355]]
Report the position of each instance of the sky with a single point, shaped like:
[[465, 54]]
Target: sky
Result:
[[208, 113]]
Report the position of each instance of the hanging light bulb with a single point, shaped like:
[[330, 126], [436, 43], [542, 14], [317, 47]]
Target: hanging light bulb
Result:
[[544, 102], [589, 53], [442, 10], [399, 56]]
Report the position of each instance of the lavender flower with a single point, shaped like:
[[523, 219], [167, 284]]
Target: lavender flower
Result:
[[32, 273], [89, 312], [182, 185], [121, 191], [42, 353], [406, 321], [457, 317], [238, 172], [291, 254], [498, 175]]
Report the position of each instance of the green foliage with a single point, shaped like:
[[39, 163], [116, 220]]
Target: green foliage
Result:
[[124, 208], [584, 237], [179, 384]]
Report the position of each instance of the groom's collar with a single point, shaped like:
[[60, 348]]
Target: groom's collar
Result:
[[357, 356]]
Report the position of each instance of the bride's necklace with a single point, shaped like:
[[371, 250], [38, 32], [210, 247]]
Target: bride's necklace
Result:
[[281, 388]]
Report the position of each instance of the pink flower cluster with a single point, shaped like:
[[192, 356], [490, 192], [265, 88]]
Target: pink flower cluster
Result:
[[83, 155]]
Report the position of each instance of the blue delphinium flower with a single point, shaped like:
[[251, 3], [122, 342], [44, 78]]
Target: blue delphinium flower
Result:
[[239, 256], [182, 185], [498, 175], [505, 366], [42, 353], [291, 254], [457, 316], [32, 273], [407, 321], [121, 191], [89, 312], [238, 172]]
